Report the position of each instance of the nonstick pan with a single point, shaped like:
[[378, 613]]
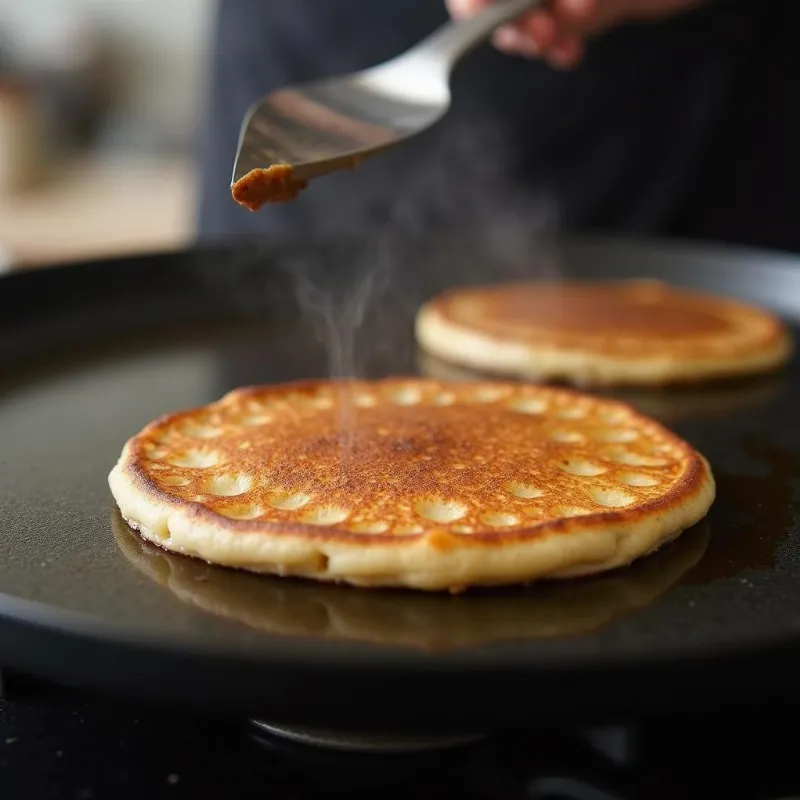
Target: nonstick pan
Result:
[[91, 352]]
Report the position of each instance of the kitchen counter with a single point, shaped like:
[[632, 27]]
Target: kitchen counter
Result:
[[100, 208]]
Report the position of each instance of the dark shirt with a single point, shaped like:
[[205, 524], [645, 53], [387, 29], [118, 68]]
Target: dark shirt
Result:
[[686, 127]]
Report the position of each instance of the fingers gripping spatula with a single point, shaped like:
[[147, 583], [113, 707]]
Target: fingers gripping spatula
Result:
[[298, 133]]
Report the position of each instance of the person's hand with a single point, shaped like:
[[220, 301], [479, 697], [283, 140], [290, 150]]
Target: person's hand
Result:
[[557, 32]]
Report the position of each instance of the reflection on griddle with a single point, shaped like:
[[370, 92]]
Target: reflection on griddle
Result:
[[672, 405], [758, 513], [288, 607]]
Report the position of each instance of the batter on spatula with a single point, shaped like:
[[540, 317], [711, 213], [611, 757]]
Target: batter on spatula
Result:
[[430, 485], [606, 333]]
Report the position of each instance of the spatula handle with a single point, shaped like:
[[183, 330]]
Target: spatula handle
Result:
[[453, 40]]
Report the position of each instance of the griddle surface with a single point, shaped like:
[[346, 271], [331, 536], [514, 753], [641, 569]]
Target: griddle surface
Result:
[[91, 353]]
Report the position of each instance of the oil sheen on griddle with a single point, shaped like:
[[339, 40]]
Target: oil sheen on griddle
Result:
[[758, 512]]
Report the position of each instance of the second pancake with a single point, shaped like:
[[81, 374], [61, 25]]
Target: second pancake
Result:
[[602, 333]]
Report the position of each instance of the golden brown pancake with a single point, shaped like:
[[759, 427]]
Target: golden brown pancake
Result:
[[602, 333], [415, 619], [415, 483]]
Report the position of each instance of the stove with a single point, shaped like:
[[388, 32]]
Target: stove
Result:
[[63, 743]]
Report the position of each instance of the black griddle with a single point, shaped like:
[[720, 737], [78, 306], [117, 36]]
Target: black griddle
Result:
[[91, 352]]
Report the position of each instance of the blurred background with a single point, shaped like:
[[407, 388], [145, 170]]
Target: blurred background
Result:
[[102, 104], [99, 108]]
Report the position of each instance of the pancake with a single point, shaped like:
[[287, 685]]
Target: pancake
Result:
[[418, 620], [413, 483], [602, 333]]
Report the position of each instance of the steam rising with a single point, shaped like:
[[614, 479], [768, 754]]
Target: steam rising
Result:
[[457, 216], [478, 227], [335, 306]]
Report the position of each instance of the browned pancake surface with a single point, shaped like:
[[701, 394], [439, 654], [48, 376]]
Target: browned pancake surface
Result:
[[614, 317], [399, 458]]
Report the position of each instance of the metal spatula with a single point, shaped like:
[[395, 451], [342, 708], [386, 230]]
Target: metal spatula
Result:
[[306, 131]]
